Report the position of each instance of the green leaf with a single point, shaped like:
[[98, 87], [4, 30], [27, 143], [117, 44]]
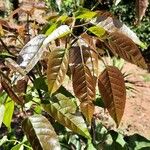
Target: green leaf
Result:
[[2, 111], [83, 13], [40, 83], [40, 133], [3, 140], [61, 31], [9, 109], [18, 147], [97, 30], [137, 142], [64, 111]]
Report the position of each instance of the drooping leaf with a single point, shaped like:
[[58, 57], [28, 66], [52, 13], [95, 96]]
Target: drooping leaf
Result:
[[61, 31], [112, 24], [83, 83], [87, 109], [2, 111], [141, 6], [9, 109], [57, 68], [40, 133], [64, 111], [112, 88], [11, 93], [90, 57], [124, 47], [31, 53], [83, 13]]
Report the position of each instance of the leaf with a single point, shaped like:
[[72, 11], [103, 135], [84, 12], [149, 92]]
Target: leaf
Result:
[[137, 142], [89, 55], [83, 13], [61, 31], [9, 109], [40, 133], [117, 2], [83, 83], [64, 111], [2, 111], [112, 24], [112, 88], [57, 68], [11, 93], [141, 6], [124, 47], [31, 53], [18, 147], [87, 109], [97, 30], [14, 66]]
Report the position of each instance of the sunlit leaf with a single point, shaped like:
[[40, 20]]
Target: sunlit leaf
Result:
[[90, 57], [18, 147], [83, 13], [61, 31], [124, 47], [2, 111], [112, 88], [64, 111], [141, 6], [87, 109], [97, 30], [117, 2], [112, 24], [57, 68], [31, 53], [40, 133], [9, 109]]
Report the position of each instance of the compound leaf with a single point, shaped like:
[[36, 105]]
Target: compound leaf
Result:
[[112, 88], [112, 24], [57, 68], [40, 133], [124, 47], [64, 111]]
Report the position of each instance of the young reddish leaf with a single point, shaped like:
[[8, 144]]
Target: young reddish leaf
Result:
[[40, 133], [64, 110], [57, 68], [10, 92], [141, 6], [83, 83], [89, 55], [87, 109], [124, 47], [112, 88]]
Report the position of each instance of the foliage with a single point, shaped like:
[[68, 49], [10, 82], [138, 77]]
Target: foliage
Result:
[[57, 72]]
